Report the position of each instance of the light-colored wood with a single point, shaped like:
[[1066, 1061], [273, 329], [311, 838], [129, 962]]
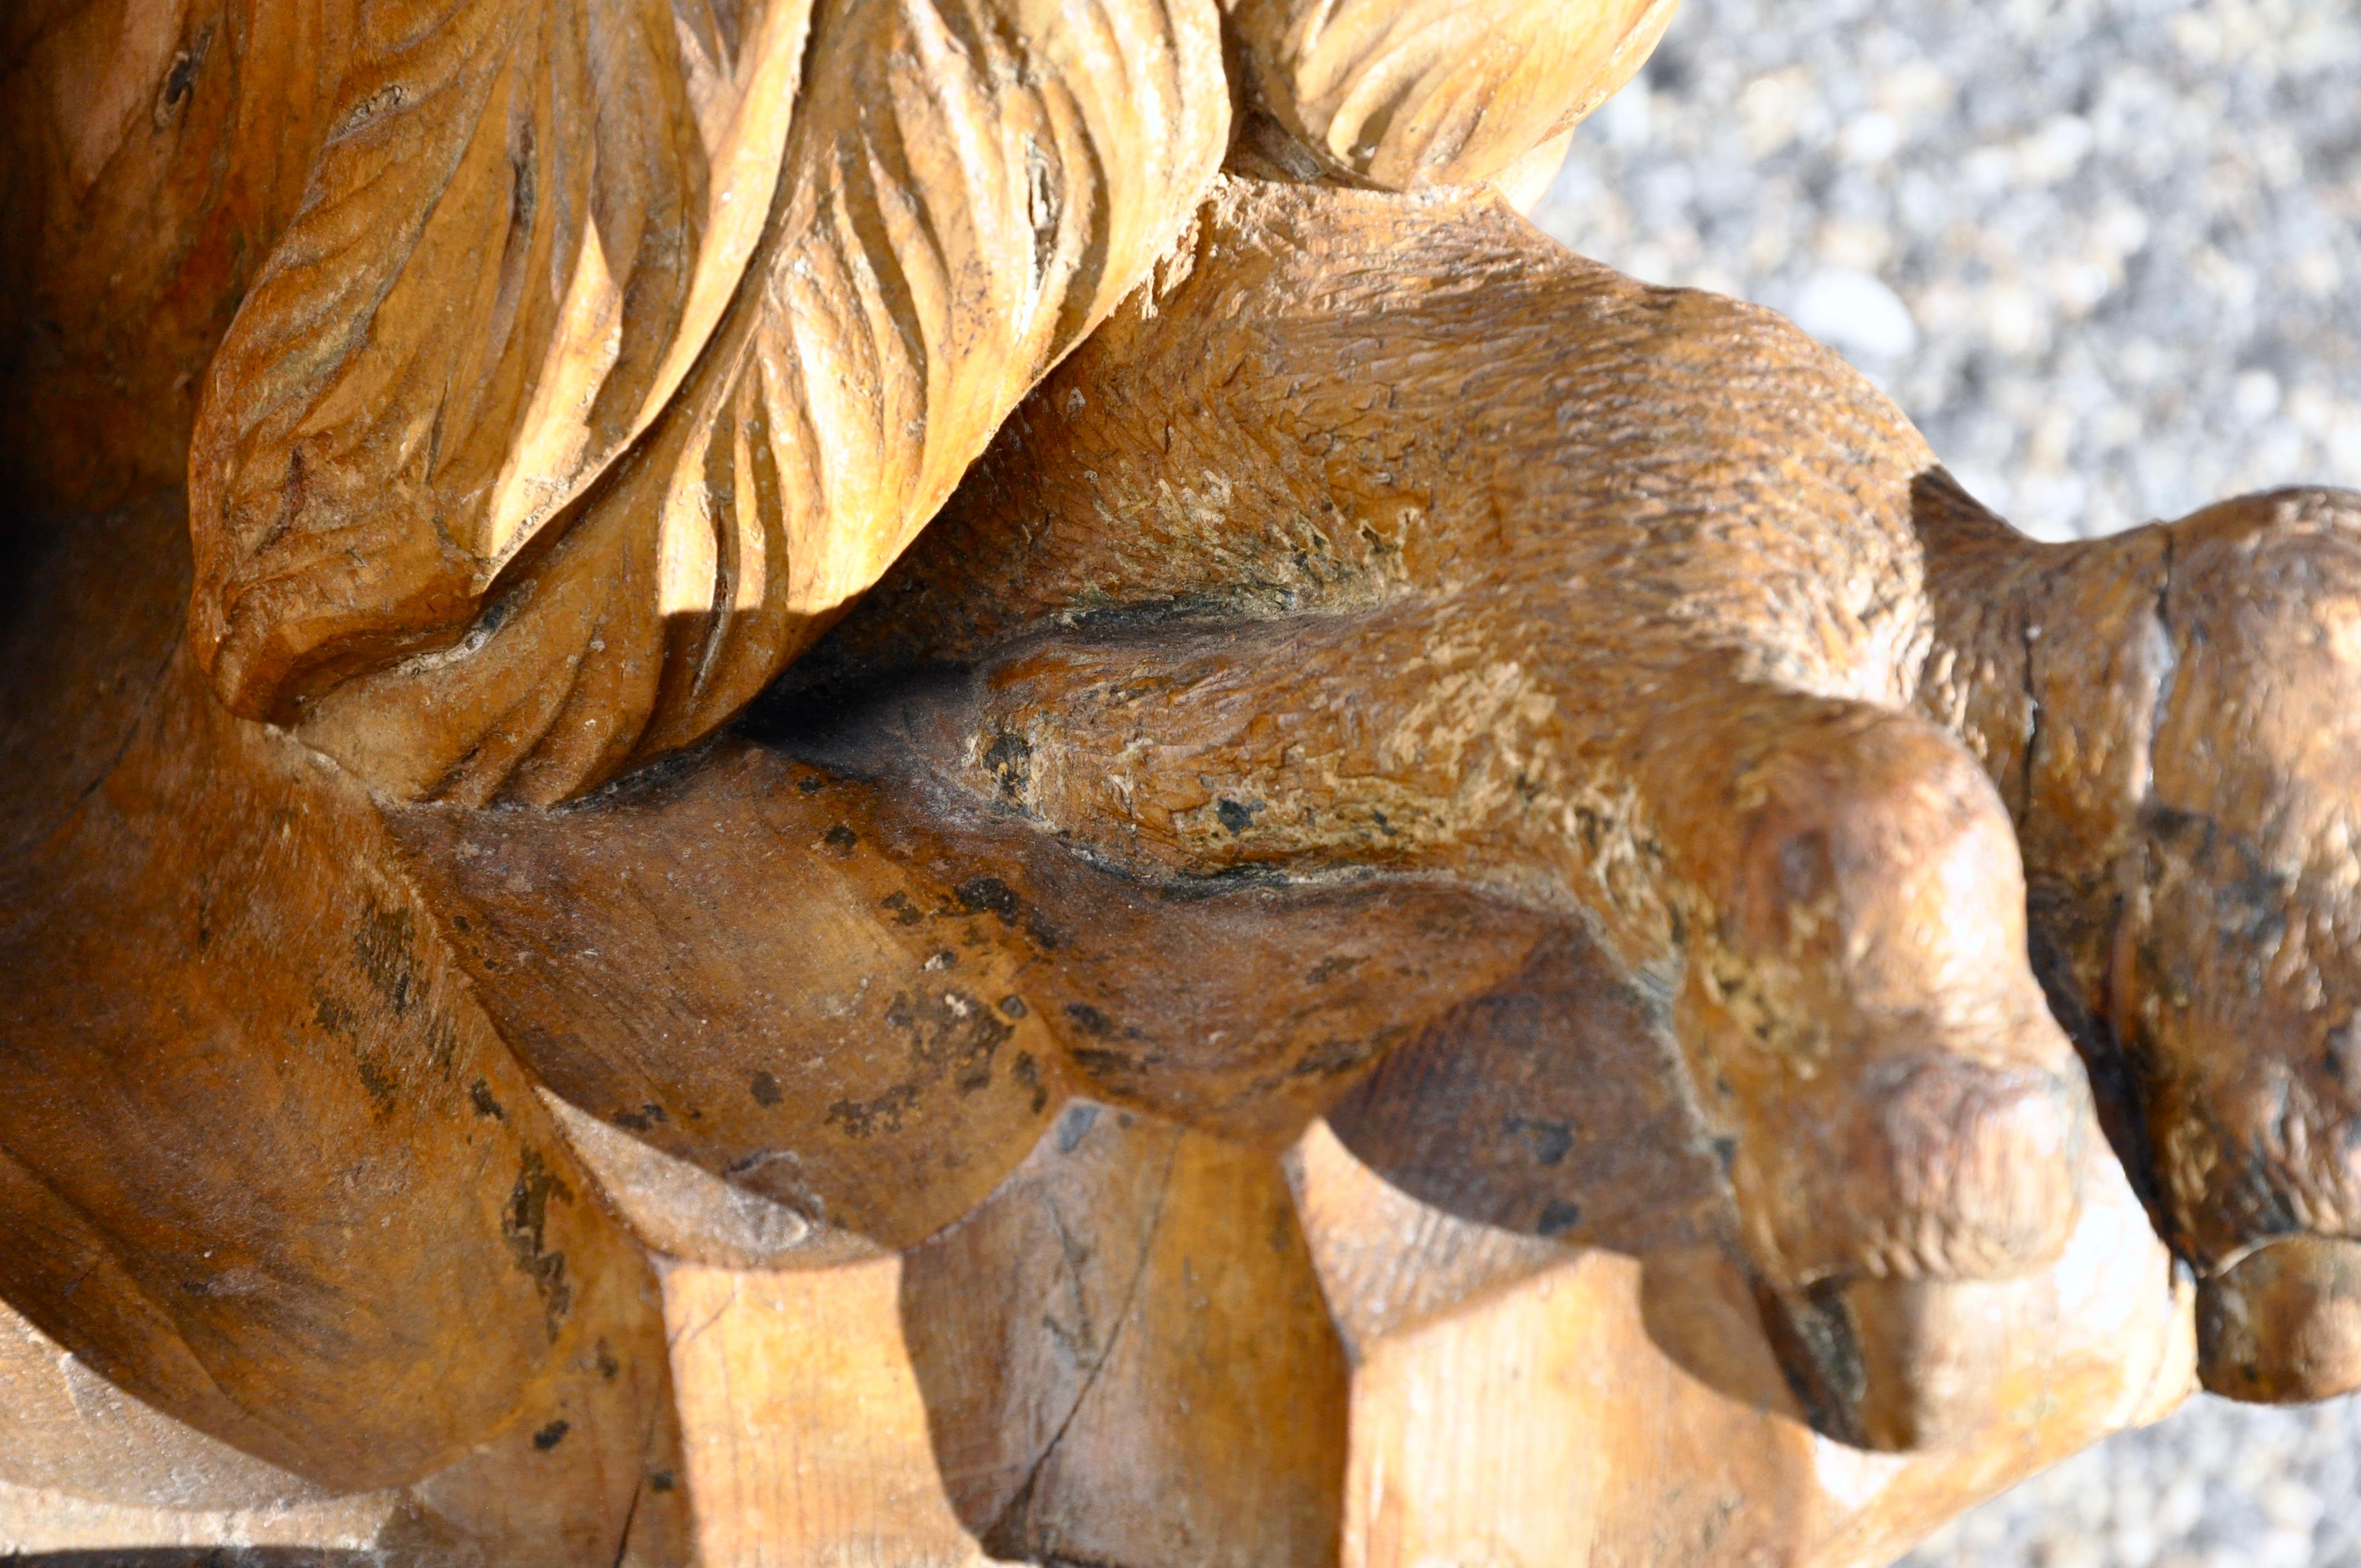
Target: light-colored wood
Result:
[[84, 1466], [681, 1211], [1122, 1357], [1414, 94], [1482, 1421], [1213, 1430], [807, 1441], [65, 1430], [35, 1521]]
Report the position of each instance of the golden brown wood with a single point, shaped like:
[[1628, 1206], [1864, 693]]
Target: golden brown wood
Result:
[[2176, 729], [1426, 92], [1818, 891], [1456, 909], [683, 456], [1387, 530], [336, 1231], [154, 151]]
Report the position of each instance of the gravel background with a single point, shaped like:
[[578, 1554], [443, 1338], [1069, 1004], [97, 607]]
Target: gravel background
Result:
[[2107, 253]]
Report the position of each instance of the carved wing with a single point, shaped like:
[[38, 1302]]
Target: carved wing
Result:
[[606, 364]]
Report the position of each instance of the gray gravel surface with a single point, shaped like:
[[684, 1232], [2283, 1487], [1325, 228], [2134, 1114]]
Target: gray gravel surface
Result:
[[2107, 253]]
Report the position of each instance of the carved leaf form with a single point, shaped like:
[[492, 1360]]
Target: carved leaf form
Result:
[[482, 525], [1415, 92], [467, 314]]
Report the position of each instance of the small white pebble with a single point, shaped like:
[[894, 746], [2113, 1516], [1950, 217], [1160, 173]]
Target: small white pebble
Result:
[[2256, 395], [1856, 314]]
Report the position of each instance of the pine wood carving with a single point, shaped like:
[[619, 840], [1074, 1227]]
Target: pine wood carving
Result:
[[917, 781]]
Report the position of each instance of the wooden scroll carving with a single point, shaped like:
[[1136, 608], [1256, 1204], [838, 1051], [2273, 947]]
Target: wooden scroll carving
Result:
[[918, 782]]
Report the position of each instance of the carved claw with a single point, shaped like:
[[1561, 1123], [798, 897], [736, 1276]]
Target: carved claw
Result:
[[1862, 1005], [1924, 1351], [1615, 668], [1909, 1117], [2172, 714], [2283, 1323]]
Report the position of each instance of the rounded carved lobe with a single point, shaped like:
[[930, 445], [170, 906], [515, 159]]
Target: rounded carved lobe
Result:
[[605, 363], [1417, 92]]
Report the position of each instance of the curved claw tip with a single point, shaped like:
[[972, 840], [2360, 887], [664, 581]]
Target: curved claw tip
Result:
[[1896, 1366], [1929, 1350], [2282, 1326]]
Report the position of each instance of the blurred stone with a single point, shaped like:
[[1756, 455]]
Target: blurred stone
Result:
[[2139, 208], [1856, 314]]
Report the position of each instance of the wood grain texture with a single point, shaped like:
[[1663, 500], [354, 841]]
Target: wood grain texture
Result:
[[807, 1431], [1433, 93], [65, 1430], [2170, 710], [1122, 1357], [155, 152], [1605, 599], [439, 346], [1213, 1429], [509, 477], [329, 1223], [1456, 910], [1229, 572], [881, 1063], [86, 1466], [1478, 1416]]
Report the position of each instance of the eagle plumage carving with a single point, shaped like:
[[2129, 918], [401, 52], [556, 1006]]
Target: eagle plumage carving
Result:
[[611, 353]]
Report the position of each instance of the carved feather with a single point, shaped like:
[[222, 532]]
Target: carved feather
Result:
[[556, 474]]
